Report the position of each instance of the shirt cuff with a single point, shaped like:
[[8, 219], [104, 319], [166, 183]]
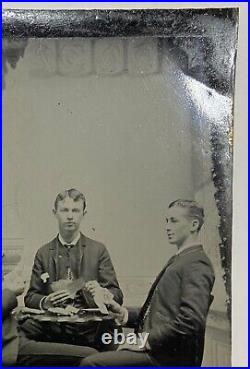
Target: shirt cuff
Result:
[[147, 346], [125, 317], [41, 303]]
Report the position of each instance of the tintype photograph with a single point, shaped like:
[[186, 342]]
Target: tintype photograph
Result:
[[117, 187]]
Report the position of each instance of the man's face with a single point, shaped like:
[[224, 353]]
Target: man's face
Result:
[[179, 225], [69, 214]]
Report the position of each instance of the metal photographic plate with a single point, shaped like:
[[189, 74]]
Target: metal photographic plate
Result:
[[133, 108]]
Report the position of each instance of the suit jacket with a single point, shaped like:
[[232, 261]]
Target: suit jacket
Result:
[[178, 309], [94, 264], [10, 338]]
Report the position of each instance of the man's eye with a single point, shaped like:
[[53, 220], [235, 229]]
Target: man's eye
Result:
[[76, 211]]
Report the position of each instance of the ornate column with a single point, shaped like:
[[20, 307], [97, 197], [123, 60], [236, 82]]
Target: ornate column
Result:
[[12, 51]]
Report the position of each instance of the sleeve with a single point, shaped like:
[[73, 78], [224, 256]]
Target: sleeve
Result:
[[107, 275], [195, 299], [9, 302], [36, 291], [133, 315]]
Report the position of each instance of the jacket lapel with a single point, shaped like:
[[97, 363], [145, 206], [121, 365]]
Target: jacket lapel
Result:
[[82, 244], [147, 302], [54, 253], [53, 260]]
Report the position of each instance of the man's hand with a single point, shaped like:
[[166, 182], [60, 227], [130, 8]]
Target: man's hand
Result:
[[101, 296], [98, 292], [118, 312], [55, 298], [93, 287], [17, 286]]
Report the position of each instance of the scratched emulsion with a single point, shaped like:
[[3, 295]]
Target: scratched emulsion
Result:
[[196, 49]]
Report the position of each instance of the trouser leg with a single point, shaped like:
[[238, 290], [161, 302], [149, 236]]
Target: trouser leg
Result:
[[34, 353], [119, 358]]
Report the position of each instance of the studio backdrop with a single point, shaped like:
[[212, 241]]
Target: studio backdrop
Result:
[[134, 109]]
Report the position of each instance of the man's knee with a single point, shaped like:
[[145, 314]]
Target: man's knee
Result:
[[99, 359], [86, 362], [80, 351]]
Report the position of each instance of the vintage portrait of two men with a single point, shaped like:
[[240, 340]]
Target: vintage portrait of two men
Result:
[[117, 187]]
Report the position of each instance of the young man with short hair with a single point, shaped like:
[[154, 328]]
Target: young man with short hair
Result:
[[174, 313], [70, 256]]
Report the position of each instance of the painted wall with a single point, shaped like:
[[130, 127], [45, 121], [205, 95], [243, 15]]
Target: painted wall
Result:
[[131, 141], [122, 138]]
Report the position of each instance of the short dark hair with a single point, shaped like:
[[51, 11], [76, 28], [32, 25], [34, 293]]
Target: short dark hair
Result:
[[73, 194], [195, 210]]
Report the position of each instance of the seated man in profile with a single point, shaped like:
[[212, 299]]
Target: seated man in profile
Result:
[[71, 257], [173, 316]]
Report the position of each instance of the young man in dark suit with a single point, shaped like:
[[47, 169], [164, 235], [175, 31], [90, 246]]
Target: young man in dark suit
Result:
[[68, 257], [174, 313]]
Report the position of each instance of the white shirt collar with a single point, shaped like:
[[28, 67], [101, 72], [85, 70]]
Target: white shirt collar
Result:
[[186, 247], [74, 242]]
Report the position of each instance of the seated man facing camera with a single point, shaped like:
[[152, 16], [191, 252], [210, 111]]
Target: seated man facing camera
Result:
[[71, 257], [174, 313]]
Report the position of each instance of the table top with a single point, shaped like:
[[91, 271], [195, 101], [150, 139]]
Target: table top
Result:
[[86, 315]]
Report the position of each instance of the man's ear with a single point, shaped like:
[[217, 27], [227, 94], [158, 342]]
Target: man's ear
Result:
[[195, 225], [84, 212], [54, 211]]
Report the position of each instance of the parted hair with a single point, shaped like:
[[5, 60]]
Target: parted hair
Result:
[[194, 209], [73, 194]]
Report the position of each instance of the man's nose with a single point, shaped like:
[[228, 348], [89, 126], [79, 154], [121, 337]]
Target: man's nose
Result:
[[70, 215]]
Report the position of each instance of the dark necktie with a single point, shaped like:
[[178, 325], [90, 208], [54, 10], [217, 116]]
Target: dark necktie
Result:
[[146, 305], [69, 271]]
